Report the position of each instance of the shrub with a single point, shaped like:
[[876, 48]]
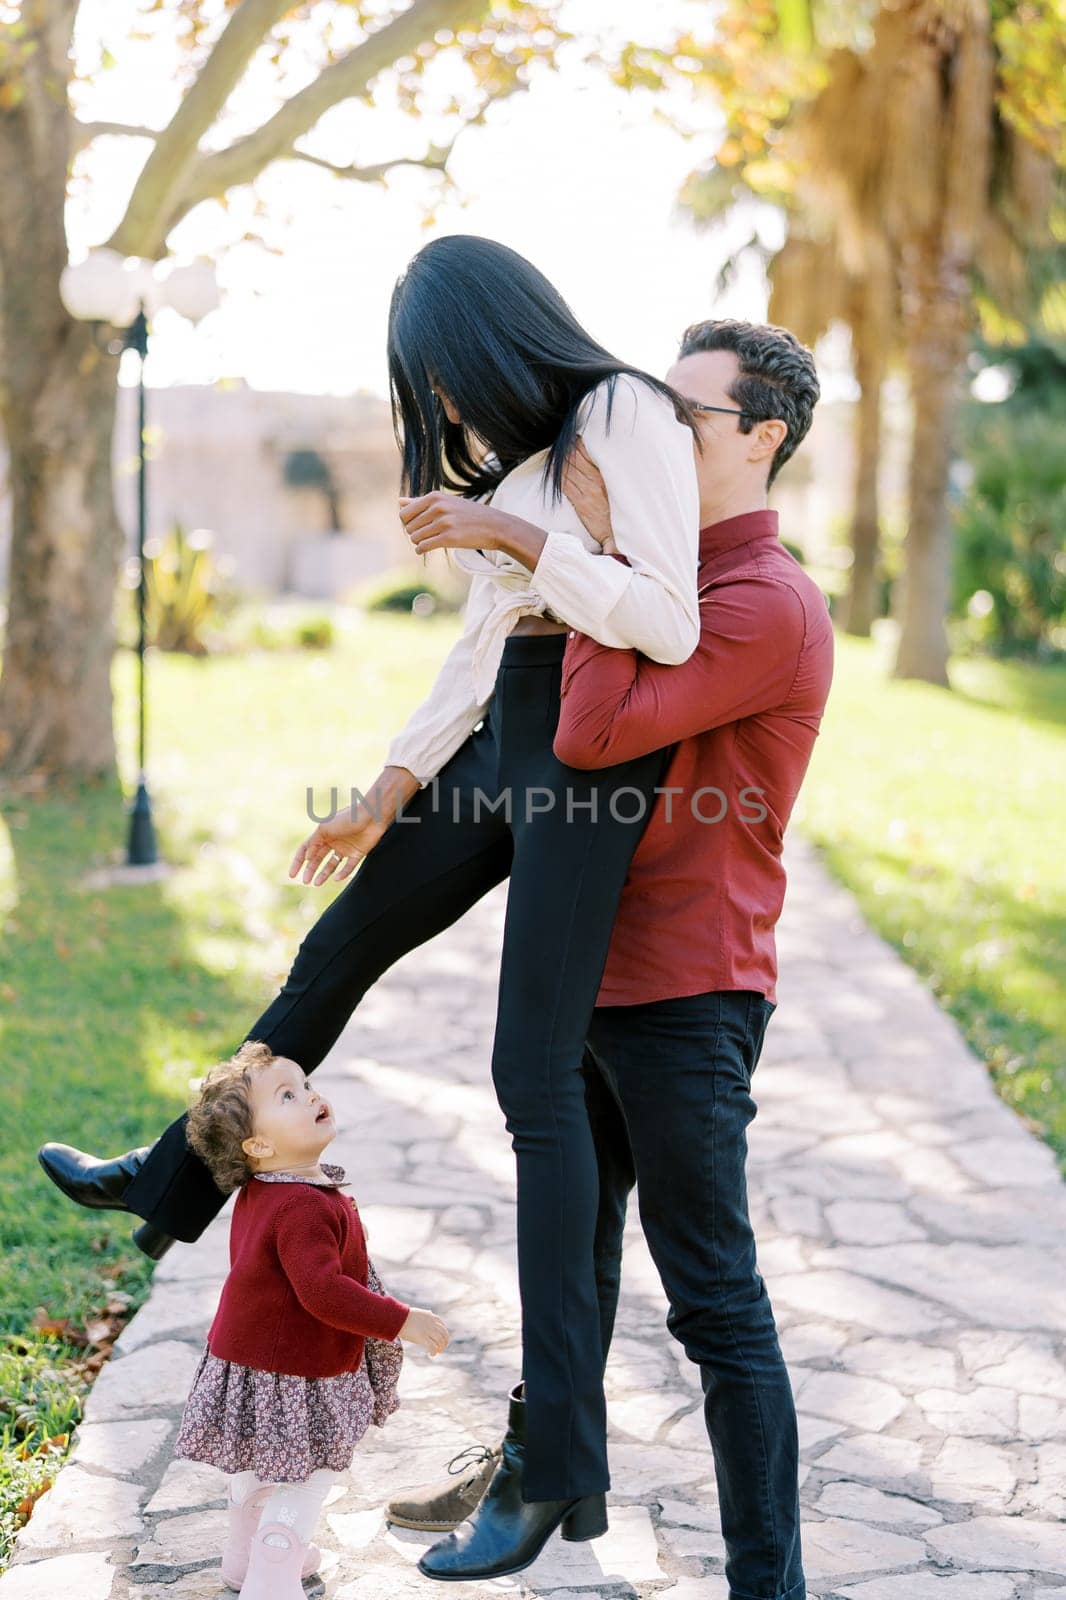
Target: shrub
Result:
[[184, 583], [400, 589], [1009, 568]]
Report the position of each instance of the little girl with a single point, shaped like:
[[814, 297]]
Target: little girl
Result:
[[282, 1393]]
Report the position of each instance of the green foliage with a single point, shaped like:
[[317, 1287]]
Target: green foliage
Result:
[[401, 589], [1009, 559], [184, 583], [1030, 39], [315, 633]]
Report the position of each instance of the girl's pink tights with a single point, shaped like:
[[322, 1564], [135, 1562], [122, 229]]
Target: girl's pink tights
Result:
[[294, 1505]]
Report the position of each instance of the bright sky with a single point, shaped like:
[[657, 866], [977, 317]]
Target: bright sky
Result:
[[576, 175]]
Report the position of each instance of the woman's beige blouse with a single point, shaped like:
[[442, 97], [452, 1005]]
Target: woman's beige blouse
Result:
[[647, 462]]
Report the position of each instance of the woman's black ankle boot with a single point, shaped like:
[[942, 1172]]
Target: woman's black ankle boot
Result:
[[507, 1533]]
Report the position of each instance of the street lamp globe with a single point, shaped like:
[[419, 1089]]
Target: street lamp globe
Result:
[[191, 290], [106, 287]]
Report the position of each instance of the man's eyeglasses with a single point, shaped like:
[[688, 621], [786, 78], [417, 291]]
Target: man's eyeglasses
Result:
[[727, 411]]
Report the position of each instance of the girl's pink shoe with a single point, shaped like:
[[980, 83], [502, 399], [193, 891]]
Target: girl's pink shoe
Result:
[[243, 1521], [275, 1564]]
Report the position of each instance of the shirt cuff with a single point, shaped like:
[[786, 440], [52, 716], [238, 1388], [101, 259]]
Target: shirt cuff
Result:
[[565, 579]]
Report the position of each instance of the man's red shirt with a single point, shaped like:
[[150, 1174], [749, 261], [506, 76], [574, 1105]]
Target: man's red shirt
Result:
[[706, 884]]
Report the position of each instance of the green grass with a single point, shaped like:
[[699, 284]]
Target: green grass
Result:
[[942, 810]]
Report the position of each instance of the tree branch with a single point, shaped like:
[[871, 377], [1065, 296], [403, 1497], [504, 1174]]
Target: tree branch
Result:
[[165, 174], [216, 173], [85, 132], [435, 161]]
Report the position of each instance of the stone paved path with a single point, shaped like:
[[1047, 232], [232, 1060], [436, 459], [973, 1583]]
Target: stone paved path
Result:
[[912, 1234]]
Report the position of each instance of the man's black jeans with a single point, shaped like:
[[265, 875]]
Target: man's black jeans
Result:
[[667, 1086]]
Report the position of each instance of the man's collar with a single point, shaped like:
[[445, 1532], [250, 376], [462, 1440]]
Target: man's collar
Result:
[[717, 538]]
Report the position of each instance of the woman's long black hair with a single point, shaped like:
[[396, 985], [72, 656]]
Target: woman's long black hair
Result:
[[482, 323]]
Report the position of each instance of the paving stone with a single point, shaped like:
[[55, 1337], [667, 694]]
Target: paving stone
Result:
[[121, 1448], [709, 1587], [812, 1341], [1047, 1496], [156, 1376], [1040, 1418], [991, 1217], [929, 1586], [183, 1541], [354, 1530], [638, 1471], [86, 1577], [798, 1213], [865, 1403], [871, 1222], [643, 1416], [1030, 1369], [878, 1456], [203, 1585], [1008, 1162], [851, 1299], [905, 1362], [171, 1309], [865, 1504], [688, 1544], [186, 1484], [685, 1515], [969, 1470], [634, 1364], [689, 1432], [1004, 1542], [1004, 1287], [82, 1505], [839, 1545], [814, 1431], [984, 1413], [208, 1258]]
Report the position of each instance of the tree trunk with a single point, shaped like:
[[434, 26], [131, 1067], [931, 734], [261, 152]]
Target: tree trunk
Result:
[[55, 691], [57, 400], [936, 342], [861, 602]]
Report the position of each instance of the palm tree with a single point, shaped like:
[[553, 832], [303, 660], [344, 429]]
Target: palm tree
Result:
[[811, 287], [907, 152], [918, 183]]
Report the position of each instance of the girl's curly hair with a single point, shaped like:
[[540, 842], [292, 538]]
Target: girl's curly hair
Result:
[[222, 1117]]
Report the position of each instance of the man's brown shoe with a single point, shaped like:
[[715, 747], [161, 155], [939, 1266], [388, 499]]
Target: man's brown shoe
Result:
[[450, 1502]]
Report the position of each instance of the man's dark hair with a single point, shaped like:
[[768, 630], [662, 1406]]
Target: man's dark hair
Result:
[[777, 377]]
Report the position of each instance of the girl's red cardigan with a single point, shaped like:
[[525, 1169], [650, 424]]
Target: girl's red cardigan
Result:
[[296, 1299]]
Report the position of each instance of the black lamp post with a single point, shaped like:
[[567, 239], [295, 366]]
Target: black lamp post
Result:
[[107, 289], [140, 848]]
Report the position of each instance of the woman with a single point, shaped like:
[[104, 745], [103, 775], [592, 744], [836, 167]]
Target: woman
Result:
[[492, 380]]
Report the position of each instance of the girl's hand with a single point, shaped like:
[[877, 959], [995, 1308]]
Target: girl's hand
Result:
[[440, 521], [342, 842], [427, 1329], [586, 491]]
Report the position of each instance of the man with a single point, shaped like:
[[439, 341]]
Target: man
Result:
[[690, 980]]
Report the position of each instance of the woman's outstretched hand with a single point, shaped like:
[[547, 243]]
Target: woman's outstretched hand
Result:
[[342, 842], [345, 838]]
